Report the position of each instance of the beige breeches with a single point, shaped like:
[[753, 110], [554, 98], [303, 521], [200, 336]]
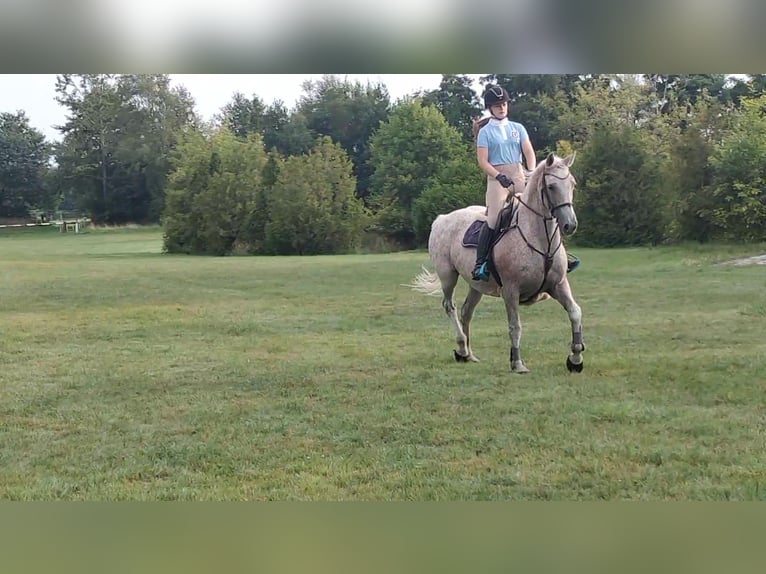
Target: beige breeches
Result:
[[497, 194]]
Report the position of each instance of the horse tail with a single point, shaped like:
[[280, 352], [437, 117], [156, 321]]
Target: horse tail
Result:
[[425, 282]]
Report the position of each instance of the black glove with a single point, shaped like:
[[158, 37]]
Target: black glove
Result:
[[503, 179]]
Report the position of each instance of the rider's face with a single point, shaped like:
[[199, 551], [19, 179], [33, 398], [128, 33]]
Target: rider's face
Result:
[[499, 110]]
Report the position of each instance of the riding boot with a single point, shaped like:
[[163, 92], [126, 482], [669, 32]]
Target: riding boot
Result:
[[481, 270]]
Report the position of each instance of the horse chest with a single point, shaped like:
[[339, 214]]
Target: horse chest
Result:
[[528, 276]]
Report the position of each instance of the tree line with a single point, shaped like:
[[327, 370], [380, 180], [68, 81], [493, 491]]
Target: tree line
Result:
[[660, 158]]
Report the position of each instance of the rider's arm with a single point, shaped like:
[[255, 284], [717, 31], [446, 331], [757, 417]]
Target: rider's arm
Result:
[[529, 154], [482, 155]]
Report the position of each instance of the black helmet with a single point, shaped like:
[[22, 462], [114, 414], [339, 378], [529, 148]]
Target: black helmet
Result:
[[494, 95]]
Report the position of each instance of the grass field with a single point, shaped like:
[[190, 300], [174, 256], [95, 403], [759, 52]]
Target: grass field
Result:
[[126, 374]]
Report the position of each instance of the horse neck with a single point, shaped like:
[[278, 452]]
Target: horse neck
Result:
[[531, 195]]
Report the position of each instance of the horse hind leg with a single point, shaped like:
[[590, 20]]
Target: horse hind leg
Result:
[[563, 294], [466, 314], [449, 282]]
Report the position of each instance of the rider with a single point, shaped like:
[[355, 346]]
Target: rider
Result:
[[499, 147]]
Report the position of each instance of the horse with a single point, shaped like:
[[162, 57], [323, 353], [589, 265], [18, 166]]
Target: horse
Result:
[[528, 261]]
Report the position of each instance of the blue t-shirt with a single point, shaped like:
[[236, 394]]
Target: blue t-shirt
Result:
[[503, 141]]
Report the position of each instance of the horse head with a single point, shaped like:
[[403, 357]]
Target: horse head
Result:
[[556, 186]]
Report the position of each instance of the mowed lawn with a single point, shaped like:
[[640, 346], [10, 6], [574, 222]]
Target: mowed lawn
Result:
[[127, 374]]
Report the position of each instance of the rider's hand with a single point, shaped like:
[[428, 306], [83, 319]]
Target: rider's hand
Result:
[[503, 179]]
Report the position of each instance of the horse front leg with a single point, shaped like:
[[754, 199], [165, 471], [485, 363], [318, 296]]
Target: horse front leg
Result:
[[563, 294], [511, 299]]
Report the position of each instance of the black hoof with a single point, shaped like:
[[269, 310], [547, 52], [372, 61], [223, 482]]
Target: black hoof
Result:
[[574, 368], [460, 358]]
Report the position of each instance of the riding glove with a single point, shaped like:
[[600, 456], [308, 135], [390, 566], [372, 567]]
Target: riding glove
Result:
[[503, 179]]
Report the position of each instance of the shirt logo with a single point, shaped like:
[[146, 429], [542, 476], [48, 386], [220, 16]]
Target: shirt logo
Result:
[[515, 134]]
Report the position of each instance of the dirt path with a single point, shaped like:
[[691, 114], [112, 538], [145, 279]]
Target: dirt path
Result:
[[754, 260]]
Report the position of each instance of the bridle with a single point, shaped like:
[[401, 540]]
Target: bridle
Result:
[[544, 192], [544, 196], [545, 200]]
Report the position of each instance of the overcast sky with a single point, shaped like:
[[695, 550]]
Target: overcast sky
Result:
[[35, 93]]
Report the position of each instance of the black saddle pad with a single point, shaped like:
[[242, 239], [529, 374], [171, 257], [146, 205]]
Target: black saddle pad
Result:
[[471, 237]]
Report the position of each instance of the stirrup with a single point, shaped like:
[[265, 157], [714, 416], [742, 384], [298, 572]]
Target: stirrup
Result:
[[482, 273]]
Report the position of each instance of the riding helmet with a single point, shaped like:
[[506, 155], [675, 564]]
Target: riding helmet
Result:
[[494, 95]]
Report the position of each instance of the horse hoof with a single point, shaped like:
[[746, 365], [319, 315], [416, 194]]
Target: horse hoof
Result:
[[575, 367], [519, 367], [461, 358]]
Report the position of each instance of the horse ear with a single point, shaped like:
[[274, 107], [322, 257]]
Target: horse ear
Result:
[[549, 160], [569, 160]]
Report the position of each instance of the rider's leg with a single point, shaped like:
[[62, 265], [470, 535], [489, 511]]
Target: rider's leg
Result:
[[494, 198]]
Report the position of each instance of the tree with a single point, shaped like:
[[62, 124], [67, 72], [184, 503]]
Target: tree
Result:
[[120, 132], [349, 113], [407, 153], [683, 90], [288, 134], [254, 230], [457, 101], [243, 116], [312, 206], [90, 134], [611, 103], [24, 156], [154, 117]]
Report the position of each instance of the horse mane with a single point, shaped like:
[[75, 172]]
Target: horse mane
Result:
[[479, 123], [533, 182]]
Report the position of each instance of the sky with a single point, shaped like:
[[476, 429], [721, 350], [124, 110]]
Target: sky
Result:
[[35, 93]]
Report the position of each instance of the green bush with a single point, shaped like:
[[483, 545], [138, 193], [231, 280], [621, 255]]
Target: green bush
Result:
[[688, 173], [459, 184], [312, 207], [213, 193], [407, 153], [739, 177], [619, 201]]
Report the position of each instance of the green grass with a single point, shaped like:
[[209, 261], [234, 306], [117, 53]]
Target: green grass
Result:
[[126, 374]]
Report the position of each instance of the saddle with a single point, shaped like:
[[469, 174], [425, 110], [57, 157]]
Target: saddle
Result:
[[507, 222]]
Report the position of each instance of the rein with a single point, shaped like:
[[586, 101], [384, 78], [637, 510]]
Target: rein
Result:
[[547, 254]]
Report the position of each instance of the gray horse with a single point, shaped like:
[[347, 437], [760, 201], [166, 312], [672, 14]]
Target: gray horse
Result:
[[529, 260]]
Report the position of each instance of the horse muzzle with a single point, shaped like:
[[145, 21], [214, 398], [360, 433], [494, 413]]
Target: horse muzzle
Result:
[[568, 228], [567, 219]]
